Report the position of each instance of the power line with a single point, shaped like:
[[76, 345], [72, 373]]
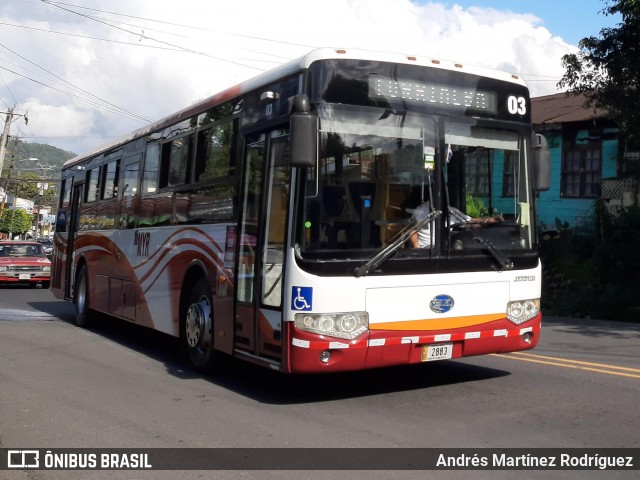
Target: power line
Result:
[[54, 3], [89, 37], [77, 97], [129, 112], [142, 45], [9, 90], [146, 37]]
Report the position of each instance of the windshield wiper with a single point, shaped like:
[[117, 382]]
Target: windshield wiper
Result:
[[504, 262], [385, 252]]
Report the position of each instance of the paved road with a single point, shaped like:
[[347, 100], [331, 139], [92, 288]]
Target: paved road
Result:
[[122, 386]]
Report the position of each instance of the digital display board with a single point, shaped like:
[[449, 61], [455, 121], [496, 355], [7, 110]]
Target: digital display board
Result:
[[381, 87]]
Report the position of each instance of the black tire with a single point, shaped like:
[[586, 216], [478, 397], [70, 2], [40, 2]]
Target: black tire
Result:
[[196, 323], [81, 299], [45, 285]]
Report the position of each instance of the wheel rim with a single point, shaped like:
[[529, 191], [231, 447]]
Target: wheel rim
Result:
[[198, 325]]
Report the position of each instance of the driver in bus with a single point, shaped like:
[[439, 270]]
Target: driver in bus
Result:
[[422, 238]]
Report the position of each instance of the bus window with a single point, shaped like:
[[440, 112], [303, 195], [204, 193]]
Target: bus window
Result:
[[277, 202], [93, 189], [110, 174], [65, 197], [174, 161], [210, 204], [254, 168], [151, 167], [129, 195], [214, 154]]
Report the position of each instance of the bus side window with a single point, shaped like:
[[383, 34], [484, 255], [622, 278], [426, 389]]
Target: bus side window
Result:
[[110, 173], [151, 167], [65, 197], [93, 190], [174, 161], [214, 153], [129, 205]]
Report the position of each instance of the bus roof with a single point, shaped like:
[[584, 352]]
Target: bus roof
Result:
[[284, 70]]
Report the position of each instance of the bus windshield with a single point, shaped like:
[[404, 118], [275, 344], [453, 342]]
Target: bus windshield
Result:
[[378, 168]]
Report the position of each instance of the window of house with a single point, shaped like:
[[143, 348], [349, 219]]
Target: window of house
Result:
[[477, 173], [581, 171], [509, 174]]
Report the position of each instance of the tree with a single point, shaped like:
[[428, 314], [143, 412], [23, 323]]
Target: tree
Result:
[[606, 70], [15, 221]]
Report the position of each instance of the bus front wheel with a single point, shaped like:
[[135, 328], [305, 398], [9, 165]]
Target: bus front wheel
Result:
[[197, 327], [81, 298]]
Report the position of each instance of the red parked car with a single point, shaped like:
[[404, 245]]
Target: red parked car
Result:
[[23, 262]]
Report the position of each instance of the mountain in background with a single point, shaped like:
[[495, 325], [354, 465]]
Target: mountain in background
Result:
[[47, 154], [21, 181]]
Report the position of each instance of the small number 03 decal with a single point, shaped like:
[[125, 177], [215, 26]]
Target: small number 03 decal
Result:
[[517, 105]]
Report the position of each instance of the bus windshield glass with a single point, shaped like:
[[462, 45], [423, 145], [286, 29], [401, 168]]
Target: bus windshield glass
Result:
[[379, 170]]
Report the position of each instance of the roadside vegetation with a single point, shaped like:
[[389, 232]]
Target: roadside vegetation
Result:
[[593, 271]]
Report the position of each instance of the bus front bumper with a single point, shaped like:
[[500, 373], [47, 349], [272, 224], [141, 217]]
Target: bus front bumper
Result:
[[310, 353]]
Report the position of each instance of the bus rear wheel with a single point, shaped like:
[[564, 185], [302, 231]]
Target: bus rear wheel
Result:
[[197, 327]]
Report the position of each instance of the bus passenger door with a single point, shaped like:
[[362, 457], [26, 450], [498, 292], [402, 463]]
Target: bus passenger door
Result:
[[73, 221], [260, 266], [123, 299]]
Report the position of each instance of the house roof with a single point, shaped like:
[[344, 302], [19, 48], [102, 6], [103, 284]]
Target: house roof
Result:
[[562, 108]]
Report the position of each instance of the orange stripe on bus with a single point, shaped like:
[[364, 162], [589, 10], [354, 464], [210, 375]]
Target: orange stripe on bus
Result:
[[438, 324]]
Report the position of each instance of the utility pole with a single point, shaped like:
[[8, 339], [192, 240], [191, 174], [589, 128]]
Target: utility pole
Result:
[[5, 137]]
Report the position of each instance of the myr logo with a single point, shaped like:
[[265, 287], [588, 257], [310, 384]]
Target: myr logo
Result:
[[23, 458]]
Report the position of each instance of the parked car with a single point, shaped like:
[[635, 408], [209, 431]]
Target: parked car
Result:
[[47, 245], [24, 262]]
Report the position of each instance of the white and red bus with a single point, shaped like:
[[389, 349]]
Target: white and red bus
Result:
[[271, 221]]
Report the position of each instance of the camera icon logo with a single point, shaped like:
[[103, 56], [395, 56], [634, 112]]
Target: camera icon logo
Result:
[[23, 459]]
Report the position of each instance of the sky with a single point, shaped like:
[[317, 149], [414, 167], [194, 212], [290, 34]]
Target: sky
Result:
[[87, 71]]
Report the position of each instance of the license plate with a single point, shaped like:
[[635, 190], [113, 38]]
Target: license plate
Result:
[[24, 276], [439, 351]]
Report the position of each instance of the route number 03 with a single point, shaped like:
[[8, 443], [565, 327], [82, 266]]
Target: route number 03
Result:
[[517, 105]]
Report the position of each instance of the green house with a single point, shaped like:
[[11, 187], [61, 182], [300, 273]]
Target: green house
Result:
[[586, 148]]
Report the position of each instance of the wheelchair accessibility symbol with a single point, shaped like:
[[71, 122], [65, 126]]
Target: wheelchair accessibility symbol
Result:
[[301, 298]]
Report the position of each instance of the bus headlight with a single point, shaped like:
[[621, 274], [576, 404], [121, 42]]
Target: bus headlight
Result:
[[3, 269], [46, 269], [521, 311], [347, 325]]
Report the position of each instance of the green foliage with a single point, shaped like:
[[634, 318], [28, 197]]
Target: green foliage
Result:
[[606, 69], [19, 181], [475, 207], [47, 154], [562, 226], [594, 272], [15, 222]]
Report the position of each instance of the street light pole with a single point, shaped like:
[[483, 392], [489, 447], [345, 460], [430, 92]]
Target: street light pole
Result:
[[5, 137]]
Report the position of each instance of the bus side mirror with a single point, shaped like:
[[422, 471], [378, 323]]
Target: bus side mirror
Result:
[[541, 163], [304, 134]]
